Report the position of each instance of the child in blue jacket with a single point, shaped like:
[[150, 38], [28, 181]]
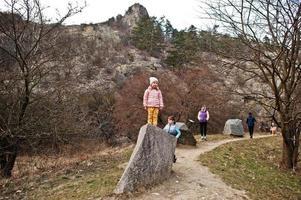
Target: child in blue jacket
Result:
[[172, 129]]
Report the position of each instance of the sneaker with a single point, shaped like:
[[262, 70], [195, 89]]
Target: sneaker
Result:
[[205, 138], [174, 159]]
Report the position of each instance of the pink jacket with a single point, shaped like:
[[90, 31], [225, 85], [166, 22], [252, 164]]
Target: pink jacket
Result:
[[153, 98]]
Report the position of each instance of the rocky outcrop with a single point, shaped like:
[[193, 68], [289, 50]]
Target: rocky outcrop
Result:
[[103, 57], [133, 15], [186, 137], [234, 127], [151, 161], [130, 18]]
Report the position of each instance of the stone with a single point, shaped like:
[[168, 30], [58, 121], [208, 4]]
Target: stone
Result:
[[182, 126], [186, 137], [133, 15], [151, 161], [234, 127]]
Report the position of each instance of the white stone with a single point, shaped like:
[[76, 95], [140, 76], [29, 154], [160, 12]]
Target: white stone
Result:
[[234, 127]]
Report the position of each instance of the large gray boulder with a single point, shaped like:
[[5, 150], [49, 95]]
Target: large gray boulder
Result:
[[151, 161], [234, 127], [186, 137]]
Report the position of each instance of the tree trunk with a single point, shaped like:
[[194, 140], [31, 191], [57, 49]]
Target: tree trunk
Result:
[[290, 147], [8, 154], [296, 150], [287, 155]]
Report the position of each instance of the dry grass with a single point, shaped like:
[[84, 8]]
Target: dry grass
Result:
[[253, 165], [87, 174], [27, 165]]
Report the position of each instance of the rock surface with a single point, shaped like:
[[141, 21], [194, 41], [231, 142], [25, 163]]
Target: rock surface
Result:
[[151, 161], [234, 127], [134, 14], [186, 137]]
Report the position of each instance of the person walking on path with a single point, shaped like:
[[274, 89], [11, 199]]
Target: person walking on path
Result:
[[273, 129], [203, 117], [251, 122], [153, 101], [172, 129]]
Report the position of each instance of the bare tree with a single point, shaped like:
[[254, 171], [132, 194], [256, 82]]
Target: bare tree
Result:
[[265, 47], [30, 49]]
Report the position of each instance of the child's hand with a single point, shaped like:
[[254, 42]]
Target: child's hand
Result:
[[145, 107]]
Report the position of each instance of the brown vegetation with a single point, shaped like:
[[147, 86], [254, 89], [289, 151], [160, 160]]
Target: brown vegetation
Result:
[[183, 95], [32, 50]]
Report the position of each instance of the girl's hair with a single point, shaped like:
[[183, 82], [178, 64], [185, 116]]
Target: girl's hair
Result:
[[171, 117]]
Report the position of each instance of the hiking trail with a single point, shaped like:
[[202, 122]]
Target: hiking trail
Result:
[[190, 180]]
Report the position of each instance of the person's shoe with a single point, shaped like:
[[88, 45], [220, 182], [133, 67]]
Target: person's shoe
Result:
[[174, 159], [205, 138]]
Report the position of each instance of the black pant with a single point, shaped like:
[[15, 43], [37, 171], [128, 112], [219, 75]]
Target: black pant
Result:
[[251, 130], [203, 129]]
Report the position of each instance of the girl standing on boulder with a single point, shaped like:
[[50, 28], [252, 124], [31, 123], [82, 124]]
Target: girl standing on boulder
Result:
[[153, 101], [203, 117]]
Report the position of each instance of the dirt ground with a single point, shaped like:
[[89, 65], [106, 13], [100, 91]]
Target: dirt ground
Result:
[[191, 180]]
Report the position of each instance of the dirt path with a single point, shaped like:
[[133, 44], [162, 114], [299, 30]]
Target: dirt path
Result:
[[191, 180]]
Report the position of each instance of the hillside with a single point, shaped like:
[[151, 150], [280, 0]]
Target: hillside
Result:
[[71, 96], [106, 60], [95, 86], [71, 103]]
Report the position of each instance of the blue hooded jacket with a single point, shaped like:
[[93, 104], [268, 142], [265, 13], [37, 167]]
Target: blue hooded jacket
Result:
[[251, 121]]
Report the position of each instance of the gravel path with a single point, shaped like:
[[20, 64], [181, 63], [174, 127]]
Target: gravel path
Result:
[[191, 180]]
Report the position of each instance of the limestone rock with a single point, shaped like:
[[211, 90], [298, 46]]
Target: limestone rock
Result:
[[151, 161], [186, 137], [134, 14], [234, 127]]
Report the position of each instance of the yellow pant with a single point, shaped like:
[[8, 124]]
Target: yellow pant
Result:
[[152, 117]]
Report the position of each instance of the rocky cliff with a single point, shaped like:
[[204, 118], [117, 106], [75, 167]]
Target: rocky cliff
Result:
[[104, 57], [105, 61]]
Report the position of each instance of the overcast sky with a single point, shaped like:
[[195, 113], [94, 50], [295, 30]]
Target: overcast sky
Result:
[[181, 13]]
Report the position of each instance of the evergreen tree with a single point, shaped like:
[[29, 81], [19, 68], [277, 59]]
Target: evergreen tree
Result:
[[148, 35], [168, 30], [185, 46], [209, 39]]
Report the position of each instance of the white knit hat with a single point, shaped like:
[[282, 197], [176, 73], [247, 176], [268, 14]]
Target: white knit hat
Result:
[[152, 79]]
